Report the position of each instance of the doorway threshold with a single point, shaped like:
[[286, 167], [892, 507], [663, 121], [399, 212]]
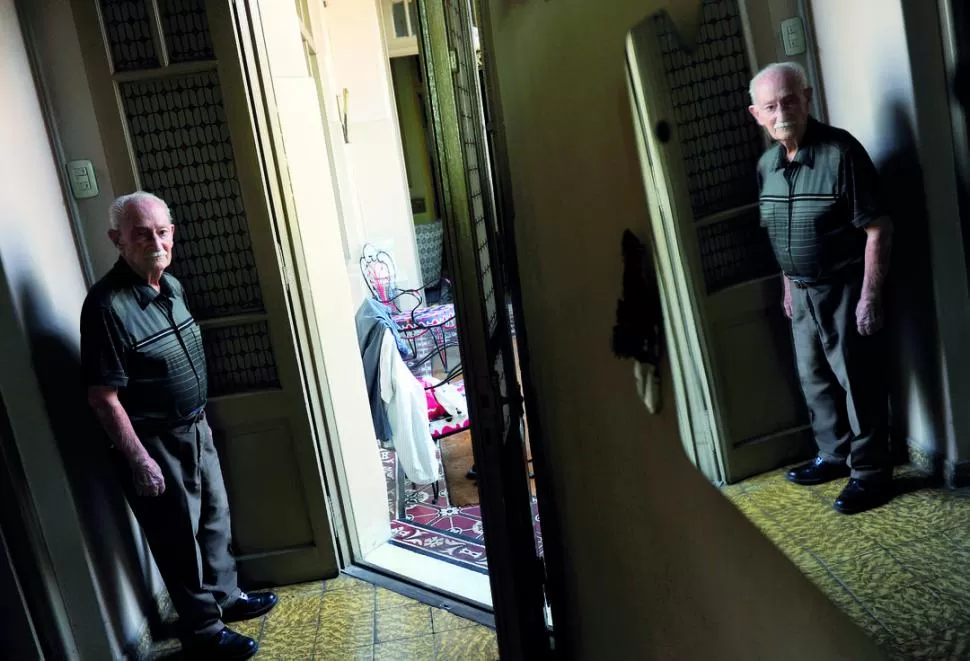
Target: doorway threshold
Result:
[[436, 575]]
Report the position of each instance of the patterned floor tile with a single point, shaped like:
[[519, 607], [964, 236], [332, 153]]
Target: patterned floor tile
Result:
[[872, 574], [387, 599], [357, 599], [916, 611], [345, 582], [934, 558], [945, 646], [782, 497], [365, 653], [314, 588], [830, 536], [407, 622], [839, 595], [471, 644], [294, 612], [288, 641], [442, 620], [911, 516], [251, 628], [345, 630], [408, 649]]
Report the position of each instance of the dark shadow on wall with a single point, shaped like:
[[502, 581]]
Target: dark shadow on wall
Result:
[[910, 303], [115, 547]]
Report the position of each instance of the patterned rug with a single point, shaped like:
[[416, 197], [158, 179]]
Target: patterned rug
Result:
[[436, 529]]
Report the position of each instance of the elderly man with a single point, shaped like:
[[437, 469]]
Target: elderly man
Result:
[[820, 204], [142, 358]]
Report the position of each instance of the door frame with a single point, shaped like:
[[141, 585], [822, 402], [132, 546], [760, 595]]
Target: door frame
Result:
[[516, 573], [283, 311]]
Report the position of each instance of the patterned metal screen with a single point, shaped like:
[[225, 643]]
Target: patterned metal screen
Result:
[[720, 142], [239, 359], [128, 31], [466, 92], [180, 139], [186, 29], [734, 251]]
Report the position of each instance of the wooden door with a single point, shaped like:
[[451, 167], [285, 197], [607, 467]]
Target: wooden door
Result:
[[175, 120], [516, 570], [744, 409]]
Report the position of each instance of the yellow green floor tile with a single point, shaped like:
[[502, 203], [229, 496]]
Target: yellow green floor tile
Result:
[[442, 620], [407, 649], [901, 572], [387, 599], [404, 622], [470, 644]]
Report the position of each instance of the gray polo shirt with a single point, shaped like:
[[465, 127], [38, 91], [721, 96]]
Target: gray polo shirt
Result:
[[816, 207], [146, 344]]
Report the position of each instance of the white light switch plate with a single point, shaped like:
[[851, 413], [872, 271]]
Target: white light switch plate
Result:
[[793, 36], [83, 182]]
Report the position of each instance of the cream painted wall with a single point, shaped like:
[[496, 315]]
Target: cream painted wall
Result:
[[42, 286], [375, 153], [350, 429], [656, 563], [874, 88]]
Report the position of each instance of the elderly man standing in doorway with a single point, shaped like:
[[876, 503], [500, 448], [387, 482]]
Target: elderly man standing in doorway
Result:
[[142, 358], [821, 206]]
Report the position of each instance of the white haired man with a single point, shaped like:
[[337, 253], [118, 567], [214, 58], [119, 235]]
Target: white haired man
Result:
[[141, 353], [820, 204]]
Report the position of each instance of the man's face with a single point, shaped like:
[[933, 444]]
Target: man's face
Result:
[[782, 106], [145, 238]]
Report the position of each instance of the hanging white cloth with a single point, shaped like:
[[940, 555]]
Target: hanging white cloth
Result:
[[407, 411]]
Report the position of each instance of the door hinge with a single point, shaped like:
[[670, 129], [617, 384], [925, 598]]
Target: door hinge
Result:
[[453, 56]]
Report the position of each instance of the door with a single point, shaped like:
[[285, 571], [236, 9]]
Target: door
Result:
[[722, 286], [175, 120], [516, 571]]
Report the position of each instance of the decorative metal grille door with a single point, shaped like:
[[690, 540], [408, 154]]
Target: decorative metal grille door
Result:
[[495, 403], [174, 117], [708, 167]]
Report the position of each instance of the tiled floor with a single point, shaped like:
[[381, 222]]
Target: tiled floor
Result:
[[348, 620], [902, 572]]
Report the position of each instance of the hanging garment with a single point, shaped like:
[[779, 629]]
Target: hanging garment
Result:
[[407, 412], [373, 320]]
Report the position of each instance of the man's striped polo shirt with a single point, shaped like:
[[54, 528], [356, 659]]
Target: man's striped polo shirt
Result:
[[146, 344], [816, 207]]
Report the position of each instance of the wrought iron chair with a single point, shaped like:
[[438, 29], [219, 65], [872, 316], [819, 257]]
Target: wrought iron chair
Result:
[[429, 331]]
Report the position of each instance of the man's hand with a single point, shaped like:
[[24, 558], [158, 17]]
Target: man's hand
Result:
[[868, 315], [148, 477], [786, 301]]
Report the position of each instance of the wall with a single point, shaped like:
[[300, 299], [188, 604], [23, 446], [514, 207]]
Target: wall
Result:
[[656, 563], [318, 219], [873, 89], [374, 153], [95, 556], [414, 135]]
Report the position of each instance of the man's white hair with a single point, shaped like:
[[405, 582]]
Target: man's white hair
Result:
[[792, 68], [119, 208]]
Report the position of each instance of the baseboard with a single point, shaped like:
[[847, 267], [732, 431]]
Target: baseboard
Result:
[[953, 474]]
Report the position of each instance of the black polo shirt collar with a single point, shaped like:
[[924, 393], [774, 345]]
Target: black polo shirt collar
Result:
[[806, 151], [144, 293]]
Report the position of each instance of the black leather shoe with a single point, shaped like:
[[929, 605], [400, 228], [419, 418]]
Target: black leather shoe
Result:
[[817, 471], [227, 645], [250, 606], [862, 495]]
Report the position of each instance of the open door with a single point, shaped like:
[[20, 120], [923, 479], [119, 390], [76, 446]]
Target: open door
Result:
[[722, 287], [175, 120], [516, 570]]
